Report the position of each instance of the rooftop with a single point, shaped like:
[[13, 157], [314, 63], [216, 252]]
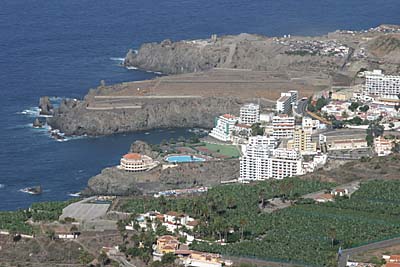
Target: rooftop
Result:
[[228, 116], [133, 156]]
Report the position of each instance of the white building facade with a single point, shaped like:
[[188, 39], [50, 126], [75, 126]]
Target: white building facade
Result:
[[261, 161], [286, 163], [224, 126], [283, 126], [250, 114], [134, 162], [302, 141], [286, 101], [378, 84]]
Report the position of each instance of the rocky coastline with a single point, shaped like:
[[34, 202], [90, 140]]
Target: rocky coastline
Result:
[[74, 118], [275, 64]]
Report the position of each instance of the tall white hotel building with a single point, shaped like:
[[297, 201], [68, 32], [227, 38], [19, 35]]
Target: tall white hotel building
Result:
[[262, 161]]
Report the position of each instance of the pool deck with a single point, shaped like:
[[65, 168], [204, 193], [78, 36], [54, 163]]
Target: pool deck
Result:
[[199, 158]]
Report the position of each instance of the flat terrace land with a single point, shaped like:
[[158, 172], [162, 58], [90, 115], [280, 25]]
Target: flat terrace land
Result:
[[223, 83], [230, 151]]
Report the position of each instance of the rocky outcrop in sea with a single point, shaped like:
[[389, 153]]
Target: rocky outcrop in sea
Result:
[[46, 108]]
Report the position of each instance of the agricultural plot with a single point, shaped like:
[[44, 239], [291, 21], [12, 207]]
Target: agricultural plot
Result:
[[14, 221], [311, 234]]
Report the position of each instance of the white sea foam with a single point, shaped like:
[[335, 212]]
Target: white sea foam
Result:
[[131, 68], [155, 72], [2, 186], [33, 112], [75, 194], [117, 58]]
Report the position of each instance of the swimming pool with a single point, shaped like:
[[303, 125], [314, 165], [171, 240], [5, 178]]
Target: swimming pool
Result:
[[183, 158]]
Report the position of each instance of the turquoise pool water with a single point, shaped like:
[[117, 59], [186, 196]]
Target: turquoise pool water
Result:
[[183, 158]]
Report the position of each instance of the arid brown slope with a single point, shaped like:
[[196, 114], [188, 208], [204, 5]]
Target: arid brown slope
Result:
[[373, 168]]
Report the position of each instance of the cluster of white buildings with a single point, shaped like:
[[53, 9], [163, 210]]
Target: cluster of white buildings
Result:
[[315, 47], [172, 221], [227, 125]]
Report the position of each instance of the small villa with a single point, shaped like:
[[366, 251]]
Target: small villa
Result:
[[134, 162]]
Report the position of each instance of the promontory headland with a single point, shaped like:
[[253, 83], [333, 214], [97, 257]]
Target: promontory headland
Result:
[[217, 75]]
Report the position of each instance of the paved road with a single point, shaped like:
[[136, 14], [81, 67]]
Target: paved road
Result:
[[301, 106], [377, 245]]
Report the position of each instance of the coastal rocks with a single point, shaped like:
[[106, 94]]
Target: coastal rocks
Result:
[[143, 148], [46, 108], [113, 181], [37, 123], [74, 118]]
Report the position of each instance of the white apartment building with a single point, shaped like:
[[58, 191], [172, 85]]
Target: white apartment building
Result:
[[378, 84], [286, 163], [283, 126], [285, 102], [255, 164], [224, 126], [250, 113], [302, 141], [260, 162]]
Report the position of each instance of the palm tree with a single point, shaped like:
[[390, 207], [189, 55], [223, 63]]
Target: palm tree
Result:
[[242, 223], [332, 235]]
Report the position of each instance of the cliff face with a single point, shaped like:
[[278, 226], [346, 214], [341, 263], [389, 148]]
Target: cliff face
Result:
[[113, 181], [74, 117]]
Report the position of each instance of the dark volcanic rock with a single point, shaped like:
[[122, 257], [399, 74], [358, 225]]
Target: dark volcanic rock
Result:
[[113, 181], [37, 123], [73, 118], [46, 108]]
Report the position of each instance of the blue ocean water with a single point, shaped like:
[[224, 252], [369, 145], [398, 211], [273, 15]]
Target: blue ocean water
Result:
[[63, 48]]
